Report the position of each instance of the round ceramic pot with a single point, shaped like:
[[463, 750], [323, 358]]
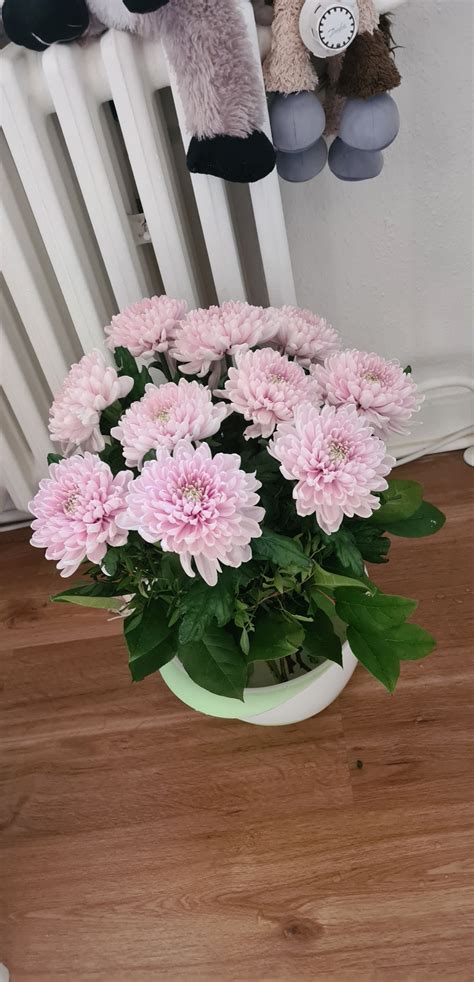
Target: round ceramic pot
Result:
[[271, 705]]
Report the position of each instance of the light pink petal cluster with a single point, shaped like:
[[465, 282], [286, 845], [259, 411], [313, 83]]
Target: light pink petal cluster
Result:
[[89, 388], [166, 414], [379, 389], [303, 335], [203, 508], [265, 388], [76, 511], [147, 326], [336, 460], [205, 336]]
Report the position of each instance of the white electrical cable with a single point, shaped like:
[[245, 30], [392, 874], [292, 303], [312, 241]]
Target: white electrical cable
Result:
[[434, 385]]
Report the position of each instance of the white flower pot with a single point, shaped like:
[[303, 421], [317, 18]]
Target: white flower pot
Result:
[[271, 705]]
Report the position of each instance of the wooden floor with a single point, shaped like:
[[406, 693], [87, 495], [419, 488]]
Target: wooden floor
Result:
[[143, 842]]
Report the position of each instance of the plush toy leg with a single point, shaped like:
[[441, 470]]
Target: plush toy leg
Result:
[[368, 67], [210, 52], [296, 115], [37, 25], [288, 67]]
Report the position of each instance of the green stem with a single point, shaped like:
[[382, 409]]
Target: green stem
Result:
[[301, 663], [284, 675], [165, 368], [274, 671]]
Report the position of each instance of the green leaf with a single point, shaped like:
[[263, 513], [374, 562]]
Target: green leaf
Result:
[[96, 594], [126, 365], [54, 458], [203, 603], [320, 601], [113, 456], [110, 417], [266, 467], [111, 561], [144, 664], [280, 550], [148, 629], [244, 641], [371, 614], [408, 370], [150, 641], [344, 545], [104, 603], [322, 577], [399, 501], [426, 520], [150, 455], [274, 637], [216, 663], [321, 641], [383, 664], [410, 642], [371, 542]]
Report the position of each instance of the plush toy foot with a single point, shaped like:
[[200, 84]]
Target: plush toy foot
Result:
[[36, 25], [350, 164], [370, 124], [233, 158], [297, 121], [144, 6], [303, 166]]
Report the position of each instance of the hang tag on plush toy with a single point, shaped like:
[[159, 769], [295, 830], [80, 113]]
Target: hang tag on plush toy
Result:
[[327, 29]]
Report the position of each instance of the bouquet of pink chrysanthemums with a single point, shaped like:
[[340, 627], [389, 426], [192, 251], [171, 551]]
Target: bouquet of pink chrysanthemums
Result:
[[224, 486]]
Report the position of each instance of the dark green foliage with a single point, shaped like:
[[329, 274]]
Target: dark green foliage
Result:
[[216, 663], [275, 636], [126, 365], [150, 640], [399, 501], [426, 520], [280, 550], [372, 543], [378, 634], [321, 640]]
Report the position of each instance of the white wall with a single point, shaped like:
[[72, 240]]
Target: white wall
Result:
[[389, 261]]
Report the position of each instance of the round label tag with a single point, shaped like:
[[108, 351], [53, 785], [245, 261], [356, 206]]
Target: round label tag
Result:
[[328, 28]]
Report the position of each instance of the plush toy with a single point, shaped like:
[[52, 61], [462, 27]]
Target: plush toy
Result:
[[208, 49], [359, 72]]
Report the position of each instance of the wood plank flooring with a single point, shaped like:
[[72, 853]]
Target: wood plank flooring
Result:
[[140, 841]]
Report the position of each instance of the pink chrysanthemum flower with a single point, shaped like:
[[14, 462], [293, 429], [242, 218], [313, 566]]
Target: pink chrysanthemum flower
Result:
[[336, 460], [146, 327], [89, 388], [165, 415], [76, 511], [379, 389], [204, 508], [205, 336], [304, 336], [265, 388]]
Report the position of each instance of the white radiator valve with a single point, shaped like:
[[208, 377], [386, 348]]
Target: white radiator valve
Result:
[[328, 28]]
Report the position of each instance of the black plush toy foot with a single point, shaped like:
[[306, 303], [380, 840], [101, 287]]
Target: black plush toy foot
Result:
[[233, 158], [144, 6], [36, 25]]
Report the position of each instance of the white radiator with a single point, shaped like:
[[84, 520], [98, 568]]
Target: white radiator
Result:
[[98, 210]]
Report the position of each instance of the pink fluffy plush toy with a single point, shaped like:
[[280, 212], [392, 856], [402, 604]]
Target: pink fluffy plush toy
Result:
[[208, 48]]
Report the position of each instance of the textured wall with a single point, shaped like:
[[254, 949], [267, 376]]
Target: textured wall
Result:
[[390, 261]]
